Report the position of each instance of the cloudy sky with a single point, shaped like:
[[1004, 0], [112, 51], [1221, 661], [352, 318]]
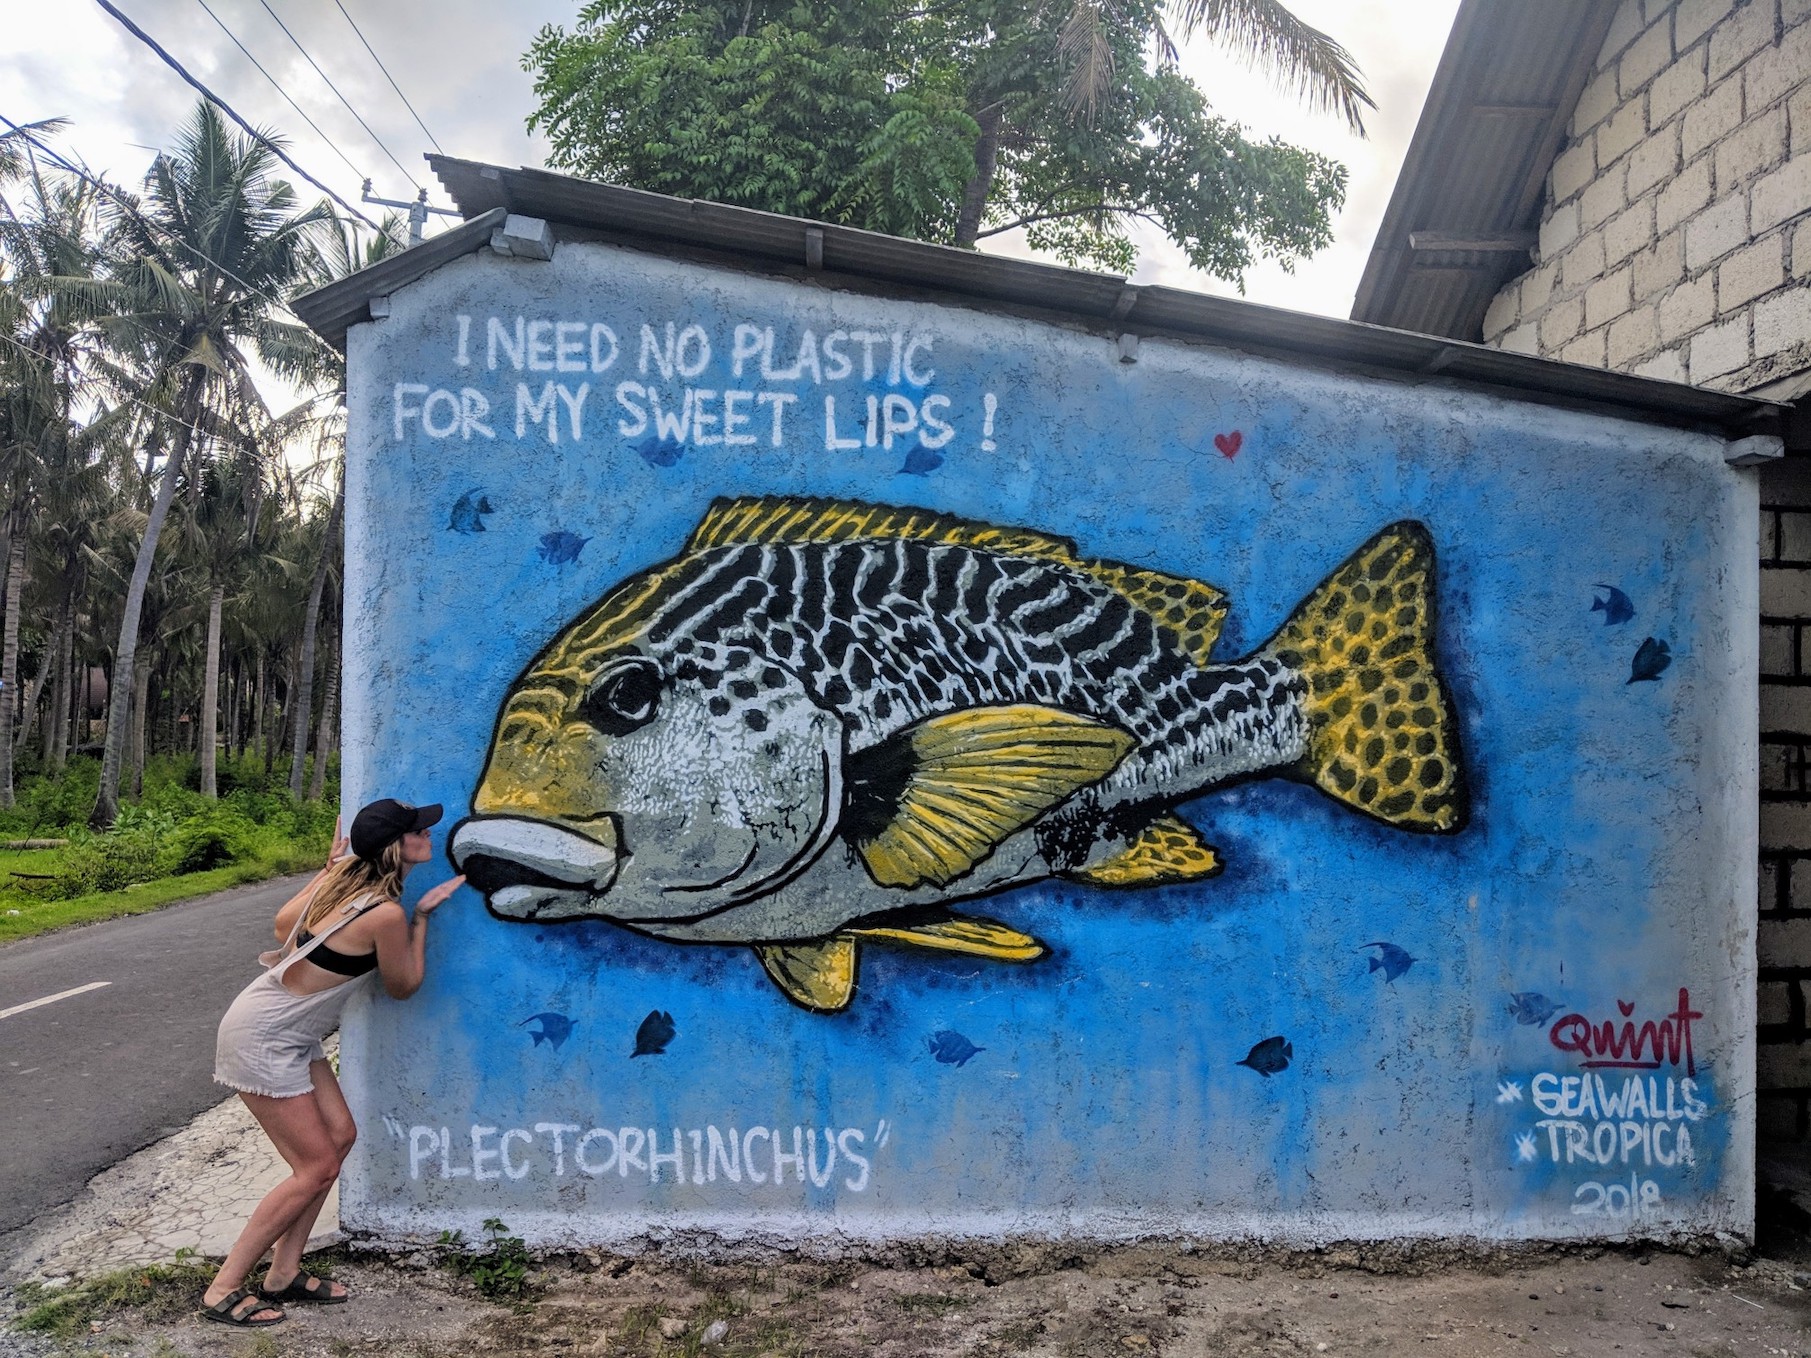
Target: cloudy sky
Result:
[[458, 63]]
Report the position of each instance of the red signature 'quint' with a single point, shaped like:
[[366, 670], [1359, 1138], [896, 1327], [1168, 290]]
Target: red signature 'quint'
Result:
[[1626, 1046]]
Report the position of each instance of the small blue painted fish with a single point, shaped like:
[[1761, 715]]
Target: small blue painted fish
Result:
[[921, 461], [1615, 606], [951, 1048], [1269, 1057], [1650, 660], [561, 548], [656, 1030], [1530, 1007], [554, 1029], [660, 453], [1391, 960], [466, 511]]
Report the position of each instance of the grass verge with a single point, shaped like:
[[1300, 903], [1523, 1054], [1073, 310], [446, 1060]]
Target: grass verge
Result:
[[25, 919], [157, 1292]]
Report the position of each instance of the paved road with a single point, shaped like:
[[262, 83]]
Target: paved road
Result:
[[90, 1078]]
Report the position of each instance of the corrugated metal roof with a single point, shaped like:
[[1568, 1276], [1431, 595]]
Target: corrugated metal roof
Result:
[[330, 310], [1101, 302], [1476, 169]]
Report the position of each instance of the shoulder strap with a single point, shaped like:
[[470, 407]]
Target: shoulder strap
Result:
[[289, 951]]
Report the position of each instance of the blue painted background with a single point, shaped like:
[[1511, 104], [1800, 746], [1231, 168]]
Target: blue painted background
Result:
[[1605, 859]]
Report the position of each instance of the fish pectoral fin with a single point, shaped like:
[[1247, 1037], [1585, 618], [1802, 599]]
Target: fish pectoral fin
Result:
[[933, 800], [963, 934], [1382, 737], [820, 976], [1169, 849]]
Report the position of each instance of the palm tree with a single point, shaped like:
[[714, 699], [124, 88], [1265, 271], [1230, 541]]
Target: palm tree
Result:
[[226, 523], [340, 253], [48, 242], [198, 265]]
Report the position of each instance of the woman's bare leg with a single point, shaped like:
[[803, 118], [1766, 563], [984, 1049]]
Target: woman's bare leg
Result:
[[286, 1258], [297, 1129]]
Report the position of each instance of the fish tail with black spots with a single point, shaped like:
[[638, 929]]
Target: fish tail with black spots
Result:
[[1382, 736]]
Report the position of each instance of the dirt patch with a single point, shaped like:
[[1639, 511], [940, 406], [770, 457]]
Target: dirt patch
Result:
[[1035, 1301]]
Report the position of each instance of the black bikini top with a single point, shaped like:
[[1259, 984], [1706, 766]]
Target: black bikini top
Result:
[[341, 964]]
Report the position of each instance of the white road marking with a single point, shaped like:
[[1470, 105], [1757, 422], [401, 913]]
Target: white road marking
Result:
[[52, 999]]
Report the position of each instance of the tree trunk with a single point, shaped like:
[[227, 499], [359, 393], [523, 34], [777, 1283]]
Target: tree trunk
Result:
[[56, 721], [9, 661], [206, 728], [258, 704], [119, 693], [52, 648], [304, 696], [974, 197], [141, 690], [327, 738]]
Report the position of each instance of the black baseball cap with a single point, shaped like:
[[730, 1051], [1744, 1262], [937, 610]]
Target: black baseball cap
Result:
[[381, 824]]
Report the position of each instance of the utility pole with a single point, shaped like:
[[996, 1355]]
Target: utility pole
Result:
[[418, 211]]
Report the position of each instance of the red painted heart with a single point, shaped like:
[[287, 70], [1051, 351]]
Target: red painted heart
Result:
[[1229, 444]]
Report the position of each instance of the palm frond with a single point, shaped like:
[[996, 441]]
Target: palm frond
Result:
[[1085, 47], [1305, 59]]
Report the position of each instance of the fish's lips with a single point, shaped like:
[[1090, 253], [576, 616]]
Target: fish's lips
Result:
[[532, 869]]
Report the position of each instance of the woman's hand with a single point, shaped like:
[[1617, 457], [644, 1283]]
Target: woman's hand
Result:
[[341, 845], [434, 896]]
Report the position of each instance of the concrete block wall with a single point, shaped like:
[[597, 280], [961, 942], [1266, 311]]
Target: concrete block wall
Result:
[[1784, 939], [1676, 241]]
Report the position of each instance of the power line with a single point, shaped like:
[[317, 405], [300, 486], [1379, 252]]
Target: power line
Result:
[[335, 88], [230, 112], [125, 396], [102, 186], [280, 90], [392, 79]]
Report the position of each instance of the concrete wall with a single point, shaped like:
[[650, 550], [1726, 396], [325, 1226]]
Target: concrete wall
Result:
[[1676, 239], [1242, 799], [1676, 243]]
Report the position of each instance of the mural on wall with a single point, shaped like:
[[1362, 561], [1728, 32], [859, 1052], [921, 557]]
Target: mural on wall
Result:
[[823, 723], [1208, 795]]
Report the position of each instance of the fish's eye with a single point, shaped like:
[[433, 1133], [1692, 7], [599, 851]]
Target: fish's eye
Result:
[[624, 698]]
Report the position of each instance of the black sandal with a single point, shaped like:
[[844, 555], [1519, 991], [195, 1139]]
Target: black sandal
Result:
[[308, 1288], [227, 1310]]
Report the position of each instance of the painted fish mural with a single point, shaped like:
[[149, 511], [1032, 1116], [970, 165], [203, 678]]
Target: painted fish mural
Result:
[[822, 724]]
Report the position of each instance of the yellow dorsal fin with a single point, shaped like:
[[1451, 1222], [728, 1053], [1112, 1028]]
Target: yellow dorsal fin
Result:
[[1190, 609], [766, 519], [965, 934], [1381, 736], [1169, 849], [819, 975], [929, 803]]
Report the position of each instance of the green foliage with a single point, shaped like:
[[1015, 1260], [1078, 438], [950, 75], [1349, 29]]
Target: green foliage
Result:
[[499, 1268], [157, 1292], [875, 116], [212, 840]]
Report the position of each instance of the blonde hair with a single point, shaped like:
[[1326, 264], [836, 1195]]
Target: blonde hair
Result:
[[352, 877]]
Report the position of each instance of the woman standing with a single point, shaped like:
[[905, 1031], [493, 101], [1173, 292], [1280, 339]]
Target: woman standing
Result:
[[269, 1047]]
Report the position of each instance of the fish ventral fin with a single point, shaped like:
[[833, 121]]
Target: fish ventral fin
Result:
[[1382, 736], [1192, 610], [933, 800], [820, 975], [963, 934], [1167, 850]]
